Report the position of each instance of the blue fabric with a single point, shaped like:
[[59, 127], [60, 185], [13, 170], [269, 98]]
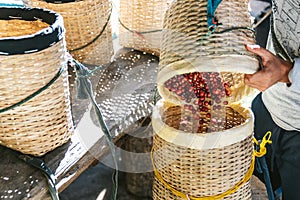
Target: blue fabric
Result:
[[10, 5], [6, 3], [262, 167], [211, 8], [282, 158]]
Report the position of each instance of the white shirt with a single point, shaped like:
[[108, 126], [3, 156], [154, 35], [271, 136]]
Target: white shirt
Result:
[[283, 102]]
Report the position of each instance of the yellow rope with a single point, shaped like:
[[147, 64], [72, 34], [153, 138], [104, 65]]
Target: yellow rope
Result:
[[245, 179], [266, 140], [262, 146]]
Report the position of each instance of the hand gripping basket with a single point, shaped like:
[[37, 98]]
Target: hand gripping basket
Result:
[[140, 24], [194, 42], [87, 24], [188, 165], [35, 113]]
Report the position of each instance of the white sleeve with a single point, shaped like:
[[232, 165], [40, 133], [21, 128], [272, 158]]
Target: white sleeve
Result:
[[294, 74]]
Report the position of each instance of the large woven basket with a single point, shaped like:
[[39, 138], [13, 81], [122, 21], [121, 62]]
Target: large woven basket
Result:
[[191, 44], [87, 24], [35, 114], [141, 23], [193, 165]]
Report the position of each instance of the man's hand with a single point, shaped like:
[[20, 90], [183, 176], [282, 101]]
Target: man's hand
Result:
[[274, 69]]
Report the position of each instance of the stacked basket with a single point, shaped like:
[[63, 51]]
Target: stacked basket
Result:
[[87, 23], [202, 147], [141, 24], [35, 113]]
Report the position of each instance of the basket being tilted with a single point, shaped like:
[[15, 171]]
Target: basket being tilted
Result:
[[190, 43]]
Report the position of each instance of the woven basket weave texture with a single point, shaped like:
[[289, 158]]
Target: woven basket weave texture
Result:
[[141, 24], [186, 28], [201, 170], [44, 122], [189, 46], [197, 65], [88, 29]]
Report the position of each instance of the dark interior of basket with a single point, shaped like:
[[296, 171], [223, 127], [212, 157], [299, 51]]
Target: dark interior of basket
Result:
[[188, 120]]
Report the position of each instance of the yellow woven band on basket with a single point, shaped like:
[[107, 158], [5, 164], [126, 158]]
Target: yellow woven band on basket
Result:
[[262, 151], [215, 197]]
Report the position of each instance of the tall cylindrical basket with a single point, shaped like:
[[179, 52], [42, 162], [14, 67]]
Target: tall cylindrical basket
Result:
[[188, 165], [141, 24], [202, 143], [193, 42], [35, 113], [88, 29]]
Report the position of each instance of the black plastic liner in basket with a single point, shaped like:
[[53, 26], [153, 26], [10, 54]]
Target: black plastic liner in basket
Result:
[[33, 42]]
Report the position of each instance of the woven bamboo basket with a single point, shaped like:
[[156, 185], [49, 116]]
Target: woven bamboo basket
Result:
[[35, 113], [88, 29], [201, 165], [190, 44], [140, 24]]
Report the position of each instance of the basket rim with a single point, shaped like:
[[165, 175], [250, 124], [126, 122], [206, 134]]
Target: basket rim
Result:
[[32, 42], [238, 64], [203, 141]]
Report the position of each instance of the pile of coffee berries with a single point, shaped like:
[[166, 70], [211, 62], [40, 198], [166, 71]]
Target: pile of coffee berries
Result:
[[200, 88], [205, 97]]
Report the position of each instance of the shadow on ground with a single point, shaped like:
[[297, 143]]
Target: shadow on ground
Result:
[[95, 180]]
